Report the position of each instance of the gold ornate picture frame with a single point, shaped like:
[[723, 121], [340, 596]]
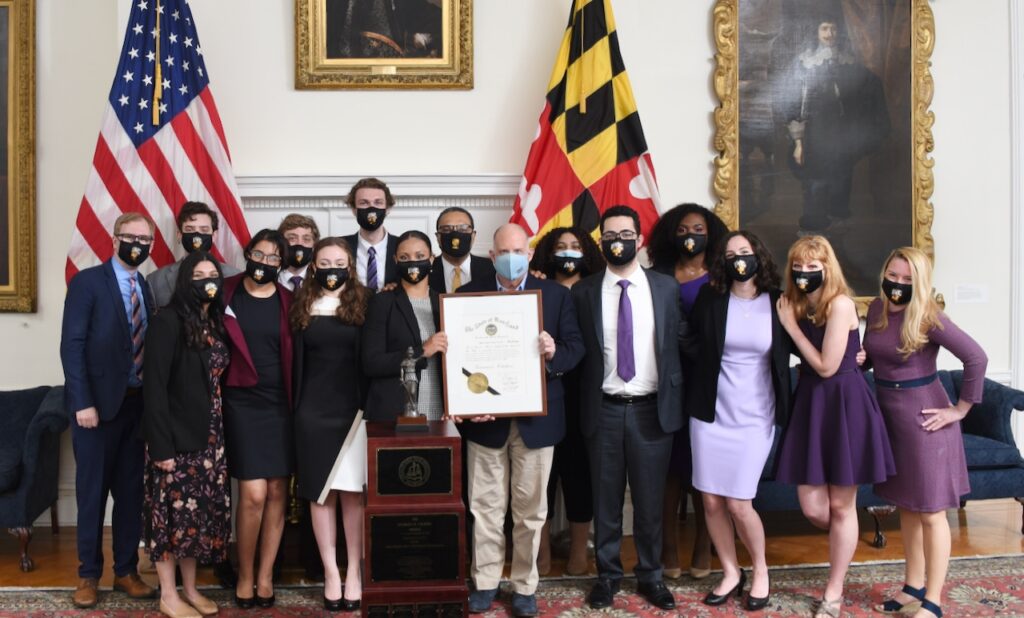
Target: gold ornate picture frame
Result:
[[383, 44], [859, 110], [17, 154]]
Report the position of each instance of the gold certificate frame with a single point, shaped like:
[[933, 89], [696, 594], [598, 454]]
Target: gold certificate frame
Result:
[[17, 153], [493, 365], [383, 44], [868, 125]]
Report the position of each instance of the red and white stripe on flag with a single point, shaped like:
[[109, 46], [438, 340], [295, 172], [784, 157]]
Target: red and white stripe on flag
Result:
[[154, 168]]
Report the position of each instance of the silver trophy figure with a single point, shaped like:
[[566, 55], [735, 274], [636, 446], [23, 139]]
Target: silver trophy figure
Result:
[[411, 384]]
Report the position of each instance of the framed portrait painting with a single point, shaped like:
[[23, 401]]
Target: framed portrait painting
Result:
[[17, 156], [383, 44], [823, 126]]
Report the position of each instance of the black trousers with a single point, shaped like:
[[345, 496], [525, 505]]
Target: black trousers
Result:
[[108, 462], [629, 444]]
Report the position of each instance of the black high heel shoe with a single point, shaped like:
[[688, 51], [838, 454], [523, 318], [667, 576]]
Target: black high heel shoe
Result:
[[245, 602], [350, 606], [266, 602], [334, 605], [755, 604], [718, 599]]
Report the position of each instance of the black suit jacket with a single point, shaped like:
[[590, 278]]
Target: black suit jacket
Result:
[[96, 341], [669, 327], [480, 269], [390, 329], [560, 322], [390, 267], [703, 348], [176, 391]]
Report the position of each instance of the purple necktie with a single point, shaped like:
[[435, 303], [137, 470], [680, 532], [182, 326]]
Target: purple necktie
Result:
[[371, 269], [624, 336], [296, 282]]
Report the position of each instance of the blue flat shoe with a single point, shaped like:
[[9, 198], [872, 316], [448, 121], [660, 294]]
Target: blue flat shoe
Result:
[[892, 606], [932, 607]]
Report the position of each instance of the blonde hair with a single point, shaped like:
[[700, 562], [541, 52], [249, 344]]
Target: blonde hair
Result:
[[922, 312], [128, 217], [834, 285]]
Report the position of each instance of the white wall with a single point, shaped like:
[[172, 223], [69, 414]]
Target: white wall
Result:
[[275, 130]]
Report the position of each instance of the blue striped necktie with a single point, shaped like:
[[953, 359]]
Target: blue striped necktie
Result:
[[371, 269]]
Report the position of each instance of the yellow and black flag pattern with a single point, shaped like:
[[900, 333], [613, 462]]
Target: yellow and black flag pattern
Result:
[[590, 152]]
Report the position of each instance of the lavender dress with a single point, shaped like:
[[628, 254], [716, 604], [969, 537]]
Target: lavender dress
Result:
[[836, 435], [729, 454], [931, 470]]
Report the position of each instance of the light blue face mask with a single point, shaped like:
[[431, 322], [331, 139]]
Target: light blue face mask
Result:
[[569, 253], [511, 266]]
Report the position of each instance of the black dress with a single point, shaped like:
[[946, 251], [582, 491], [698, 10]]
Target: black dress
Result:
[[328, 398], [257, 425]]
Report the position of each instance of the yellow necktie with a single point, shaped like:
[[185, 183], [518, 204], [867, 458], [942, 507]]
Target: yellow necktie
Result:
[[456, 279]]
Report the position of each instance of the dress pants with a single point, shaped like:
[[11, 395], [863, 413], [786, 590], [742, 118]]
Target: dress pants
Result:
[[629, 444], [108, 462], [490, 472]]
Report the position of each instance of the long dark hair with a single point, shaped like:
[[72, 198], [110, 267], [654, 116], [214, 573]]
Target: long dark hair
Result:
[[270, 236], [544, 253], [661, 246], [198, 324], [767, 277], [354, 298]]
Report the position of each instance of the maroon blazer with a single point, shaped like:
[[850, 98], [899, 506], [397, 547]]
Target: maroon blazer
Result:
[[241, 370]]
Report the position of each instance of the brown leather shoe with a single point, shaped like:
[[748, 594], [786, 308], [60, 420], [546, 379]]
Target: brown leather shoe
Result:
[[134, 587], [86, 595], [202, 604]]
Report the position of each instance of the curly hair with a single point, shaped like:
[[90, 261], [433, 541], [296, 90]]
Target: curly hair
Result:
[[661, 246], [767, 277], [198, 323], [544, 253], [354, 298]]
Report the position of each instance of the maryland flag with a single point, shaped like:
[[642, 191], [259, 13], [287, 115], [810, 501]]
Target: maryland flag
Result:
[[589, 153]]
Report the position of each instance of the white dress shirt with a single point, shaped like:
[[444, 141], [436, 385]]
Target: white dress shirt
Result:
[[449, 272], [284, 277], [645, 381], [363, 254]]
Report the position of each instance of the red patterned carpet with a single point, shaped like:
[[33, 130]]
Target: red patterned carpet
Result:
[[992, 586]]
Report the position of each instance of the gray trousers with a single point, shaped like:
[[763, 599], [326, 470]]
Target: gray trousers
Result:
[[629, 444]]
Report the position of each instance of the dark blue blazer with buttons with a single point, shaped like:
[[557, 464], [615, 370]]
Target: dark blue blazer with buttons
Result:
[[559, 317], [95, 342]]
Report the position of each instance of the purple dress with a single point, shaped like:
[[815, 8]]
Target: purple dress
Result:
[[729, 454], [679, 463], [931, 469], [836, 435]]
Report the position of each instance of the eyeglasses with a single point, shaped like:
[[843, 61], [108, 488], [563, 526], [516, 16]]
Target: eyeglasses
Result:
[[623, 235], [461, 228], [268, 259], [142, 240]]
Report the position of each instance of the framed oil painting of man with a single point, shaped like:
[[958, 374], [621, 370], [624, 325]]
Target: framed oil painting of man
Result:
[[17, 156], [823, 126], [383, 44]]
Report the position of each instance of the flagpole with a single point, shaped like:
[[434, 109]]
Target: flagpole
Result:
[[158, 85]]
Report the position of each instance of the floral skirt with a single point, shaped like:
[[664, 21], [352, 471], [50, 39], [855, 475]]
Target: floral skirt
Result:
[[187, 512]]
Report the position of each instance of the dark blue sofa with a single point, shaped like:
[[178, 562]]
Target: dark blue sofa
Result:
[[994, 464], [31, 422]]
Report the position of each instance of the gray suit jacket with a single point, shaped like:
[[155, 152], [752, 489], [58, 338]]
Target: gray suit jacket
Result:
[[161, 281], [669, 327]]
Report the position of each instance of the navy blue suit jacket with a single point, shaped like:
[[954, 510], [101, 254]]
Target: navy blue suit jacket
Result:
[[559, 316], [95, 341]]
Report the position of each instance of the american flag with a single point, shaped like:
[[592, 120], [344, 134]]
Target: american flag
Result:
[[161, 144]]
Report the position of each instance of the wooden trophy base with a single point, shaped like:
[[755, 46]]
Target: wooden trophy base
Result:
[[432, 602], [412, 424]]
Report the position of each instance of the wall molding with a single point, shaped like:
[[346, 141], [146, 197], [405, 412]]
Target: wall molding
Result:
[[1017, 205]]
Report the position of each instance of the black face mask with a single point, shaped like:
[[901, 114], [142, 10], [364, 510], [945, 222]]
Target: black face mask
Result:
[[331, 278], [261, 273], [741, 267], [370, 218], [132, 253], [692, 244], [299, 255], [456, 244], [807, 281], [414, 271], [619, 252], [568, 265], [206, 290], [194, 241], [897, 293]]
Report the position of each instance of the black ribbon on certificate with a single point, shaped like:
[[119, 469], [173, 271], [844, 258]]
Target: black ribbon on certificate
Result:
[[477, 382]]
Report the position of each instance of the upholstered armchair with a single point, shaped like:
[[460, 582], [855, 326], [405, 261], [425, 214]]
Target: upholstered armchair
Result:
[[31, 422]]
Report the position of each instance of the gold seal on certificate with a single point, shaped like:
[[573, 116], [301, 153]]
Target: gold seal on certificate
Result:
[[493, 344]]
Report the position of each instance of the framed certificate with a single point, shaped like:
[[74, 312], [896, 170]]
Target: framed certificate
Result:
[[493, 364]]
